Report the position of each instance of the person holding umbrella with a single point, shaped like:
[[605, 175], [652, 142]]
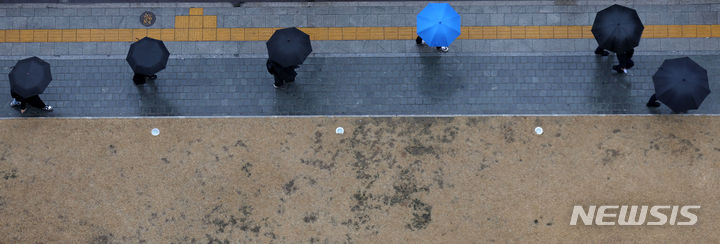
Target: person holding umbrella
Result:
[[681, 84], [29, 78], [146, 57], [438, 25], [618, 29], [287, 49]]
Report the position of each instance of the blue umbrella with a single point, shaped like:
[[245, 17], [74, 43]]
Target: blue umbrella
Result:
[[438, 24]]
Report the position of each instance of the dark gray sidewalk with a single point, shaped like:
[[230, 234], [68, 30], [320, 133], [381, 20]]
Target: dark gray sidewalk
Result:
[[427, 85]]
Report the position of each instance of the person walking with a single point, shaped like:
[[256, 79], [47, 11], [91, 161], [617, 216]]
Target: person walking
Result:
[[35, 101], [140, 79], [281, 74], [420, 41], [624, 61]]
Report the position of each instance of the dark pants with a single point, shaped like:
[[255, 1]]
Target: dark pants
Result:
[[34, 101], [140, 79], [625, 59], [280, 82]]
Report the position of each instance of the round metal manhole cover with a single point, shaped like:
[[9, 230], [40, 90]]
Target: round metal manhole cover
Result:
[[147, 18]]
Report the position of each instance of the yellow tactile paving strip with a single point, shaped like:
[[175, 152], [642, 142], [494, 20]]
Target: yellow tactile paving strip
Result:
[[199, 27]]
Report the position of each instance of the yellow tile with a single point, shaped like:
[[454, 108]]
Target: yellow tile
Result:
[[349, 33], [12, 35], [155, 33], [167, 35], [560, 32], [181, 34], [689, 31], [391, 33], [26, 35], [125, 35], [490, 32], [223, 34], [546, 32], [376, 33], [574, 32], [237, 34], [660, 31], [714, 30], [334, 33], [464, 33], [83, 35], [320, 33], [264, 34], [181, 21], [97, 35], [517, 32], [475, 32], [110, 35], [40, 36], [195, 22], [674, 31], [503, 32], [139, 34], [69, 35], [407, 33], [532, 32], [251, 34], [648, 32], [209, 21], [703, 31], [196, 11], [209, 35], [2, 35], [195, 34], [587, 32]]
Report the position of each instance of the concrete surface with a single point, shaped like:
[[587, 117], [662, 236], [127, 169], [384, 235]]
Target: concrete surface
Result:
[[386, 180]]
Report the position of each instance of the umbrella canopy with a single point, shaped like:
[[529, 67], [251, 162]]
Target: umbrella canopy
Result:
[[681, 84], [617, 28], [148, 56], [289, 47], [30, 77], [438, 24]]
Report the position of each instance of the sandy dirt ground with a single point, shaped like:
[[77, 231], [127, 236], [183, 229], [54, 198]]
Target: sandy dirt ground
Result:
[[385, 180]]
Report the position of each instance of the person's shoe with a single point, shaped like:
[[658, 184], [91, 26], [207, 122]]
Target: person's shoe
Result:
[[153, 77], [15, 103], [618, 69], [419, 41], [603, 53], [443, 49], [47, 108], [276, 86], [653, 104]]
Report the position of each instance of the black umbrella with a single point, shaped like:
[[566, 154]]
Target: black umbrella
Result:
[[681, 84], [617, 28], [30, 77], [289, 47], [148, 56]]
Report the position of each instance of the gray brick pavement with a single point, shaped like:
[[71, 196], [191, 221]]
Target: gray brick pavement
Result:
[[431, 85]]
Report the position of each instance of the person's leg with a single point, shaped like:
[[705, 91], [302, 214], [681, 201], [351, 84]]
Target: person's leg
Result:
[[138, 79], [16, 99], [35, 101], [278, 82], [653, 102], [601, 52]]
